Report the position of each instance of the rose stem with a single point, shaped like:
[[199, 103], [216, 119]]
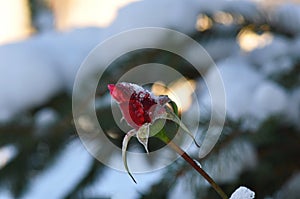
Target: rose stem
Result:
[[187, 158]]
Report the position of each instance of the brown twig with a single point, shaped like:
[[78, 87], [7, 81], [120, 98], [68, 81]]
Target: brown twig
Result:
[[188, 159]]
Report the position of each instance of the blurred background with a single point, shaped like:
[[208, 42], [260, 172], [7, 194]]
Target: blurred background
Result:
[[255, 44]]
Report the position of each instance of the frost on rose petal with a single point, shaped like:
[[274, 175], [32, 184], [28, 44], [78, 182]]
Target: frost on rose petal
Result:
[[137, 104], [242, 193]]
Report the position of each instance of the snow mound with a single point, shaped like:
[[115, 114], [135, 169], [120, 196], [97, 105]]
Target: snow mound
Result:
[[249, 95], [70, 167], [35, 70], [287, 18], [177, 14], [243, 193]]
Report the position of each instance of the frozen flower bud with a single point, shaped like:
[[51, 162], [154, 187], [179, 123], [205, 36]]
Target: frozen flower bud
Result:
[[138, 105], [140, 108]]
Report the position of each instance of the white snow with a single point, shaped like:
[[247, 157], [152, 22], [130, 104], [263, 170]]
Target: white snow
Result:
[[44, 20], [178, 14], [45, 117], [59, 178], [295, 47], [239, 81], [220, 48], [247, 9], [242, 193], [47, 64], [278, 47], [181, 190], [26, 79], [5, 194], [118, 185], [229, 163], [269, 99], [290, 189], [287, 18], [292, 113], [274, 58], [7, 153], [33, 71], [250, 96], [38, 68], [278, 66]]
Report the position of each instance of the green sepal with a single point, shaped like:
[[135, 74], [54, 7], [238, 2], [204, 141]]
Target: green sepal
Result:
[[173, 116], [174, 107], [162, 135]]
